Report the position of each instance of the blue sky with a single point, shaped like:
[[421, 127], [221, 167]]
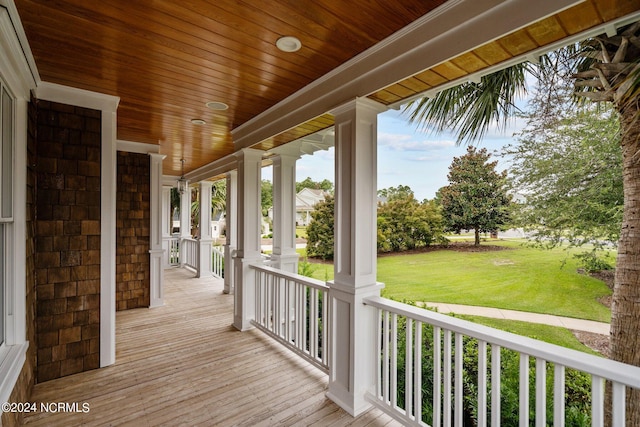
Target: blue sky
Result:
[[406, 156]]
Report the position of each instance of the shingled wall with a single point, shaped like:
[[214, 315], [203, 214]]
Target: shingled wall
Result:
[[67, 239], [133, 224]]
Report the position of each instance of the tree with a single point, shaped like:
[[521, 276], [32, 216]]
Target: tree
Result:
[[613, 76], [266, 196], [579, 204], [218, 201], [320, 230], [404, 223], [325, 185], [401, 191], [476, 197]]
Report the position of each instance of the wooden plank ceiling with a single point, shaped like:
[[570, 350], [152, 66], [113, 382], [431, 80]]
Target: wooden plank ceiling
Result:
[[166, 59]]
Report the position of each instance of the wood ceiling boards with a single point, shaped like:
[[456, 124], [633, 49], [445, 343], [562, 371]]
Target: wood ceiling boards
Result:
[[166, 59]]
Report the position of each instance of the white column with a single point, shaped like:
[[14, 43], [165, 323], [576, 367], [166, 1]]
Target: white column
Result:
[[185, 220], [156, 291], [108, 163], [284, 213], [206, 239], [167, 220], [167, 224], [231, 224], [248, 250], [353, 327]]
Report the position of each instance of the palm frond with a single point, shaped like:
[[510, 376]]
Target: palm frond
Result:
[[471, 108]]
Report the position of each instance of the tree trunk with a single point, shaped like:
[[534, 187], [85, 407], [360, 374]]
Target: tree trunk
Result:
[[625, 306], [477, 235]]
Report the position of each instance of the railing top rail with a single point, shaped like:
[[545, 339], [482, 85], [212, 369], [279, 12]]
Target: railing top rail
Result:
[[602, 367], [307, 281]]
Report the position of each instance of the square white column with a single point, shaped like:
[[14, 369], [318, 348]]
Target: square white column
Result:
[[284, 253], [167, 223], [185, 220], [166, 211], [156, 252], [231, 224], [206, 239], [353, 359], [248, 250]]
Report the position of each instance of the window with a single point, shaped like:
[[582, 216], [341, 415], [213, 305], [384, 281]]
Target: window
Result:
[[6, 199], [15, 84], [6, 158]]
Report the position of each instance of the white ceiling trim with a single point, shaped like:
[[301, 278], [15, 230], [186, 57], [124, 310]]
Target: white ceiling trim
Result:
[[17, 67], [78, 97], [447, 32], [533, 56], [136, 147], [223, 165]]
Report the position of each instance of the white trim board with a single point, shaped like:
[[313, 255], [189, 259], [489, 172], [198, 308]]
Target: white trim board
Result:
[[455, 28]]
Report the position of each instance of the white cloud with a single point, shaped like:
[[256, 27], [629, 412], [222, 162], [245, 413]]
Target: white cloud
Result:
[[405, 142]]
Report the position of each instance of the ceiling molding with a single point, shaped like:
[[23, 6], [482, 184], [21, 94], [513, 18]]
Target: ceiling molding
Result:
[[531, 56], [17, 66], [137, 147], [460, 27], [78, 97], [223, 165]]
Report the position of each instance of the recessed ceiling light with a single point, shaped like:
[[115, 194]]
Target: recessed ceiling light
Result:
[[198, 122], [215, 105], [288, 44]]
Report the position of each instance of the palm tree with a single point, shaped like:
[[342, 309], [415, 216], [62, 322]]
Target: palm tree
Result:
[[609, 71], [218, 201]]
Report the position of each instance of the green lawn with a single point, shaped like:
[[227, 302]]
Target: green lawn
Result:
[[551, 334], [517, 278], [301, 232]]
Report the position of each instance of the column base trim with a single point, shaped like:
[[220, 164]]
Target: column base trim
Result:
[[349, 407]]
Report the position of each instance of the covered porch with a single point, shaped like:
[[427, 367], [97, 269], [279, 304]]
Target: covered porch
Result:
[[184, 364], [107, 105]]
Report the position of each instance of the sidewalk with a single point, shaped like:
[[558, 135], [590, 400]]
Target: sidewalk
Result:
[[545, 319]]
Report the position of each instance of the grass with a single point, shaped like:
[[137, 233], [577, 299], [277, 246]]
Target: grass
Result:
[[551, 334], [301, 232], [517, 278]]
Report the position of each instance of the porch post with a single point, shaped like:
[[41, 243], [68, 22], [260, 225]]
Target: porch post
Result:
[[353, 337], [231, 224], [205, 252], [248, 251], [167, 223], [284, 213], [185, 220], [156, 276]]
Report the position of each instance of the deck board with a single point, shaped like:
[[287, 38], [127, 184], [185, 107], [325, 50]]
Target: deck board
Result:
[[184, 364]]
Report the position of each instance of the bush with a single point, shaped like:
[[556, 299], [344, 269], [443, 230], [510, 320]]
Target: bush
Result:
[[592, 263], [405, 224], [305, 268], [320, 230], [577, 394]]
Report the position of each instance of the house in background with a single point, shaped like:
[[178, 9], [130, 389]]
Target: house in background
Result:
[[107, 106], [306, 201]]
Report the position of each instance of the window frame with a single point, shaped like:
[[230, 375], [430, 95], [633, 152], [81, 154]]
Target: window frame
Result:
[[17, 76], [6, 221]]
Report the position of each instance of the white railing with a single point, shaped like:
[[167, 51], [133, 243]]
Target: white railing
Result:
[[294, 310], [217, 261], [439, 370], [172, 250], [190, 253]]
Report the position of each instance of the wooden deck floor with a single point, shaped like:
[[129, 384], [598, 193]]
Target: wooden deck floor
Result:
[[183, 364]]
